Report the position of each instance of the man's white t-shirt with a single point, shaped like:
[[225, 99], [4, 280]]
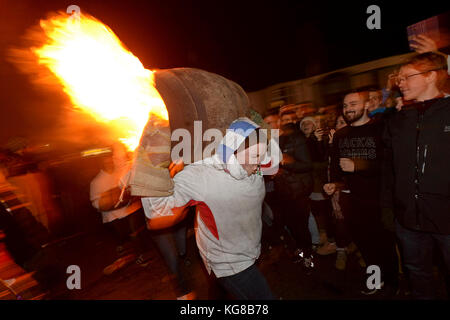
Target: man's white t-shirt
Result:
[[105, 181]]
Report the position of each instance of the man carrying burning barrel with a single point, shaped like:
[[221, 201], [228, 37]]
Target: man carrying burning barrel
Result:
[[228, 190]]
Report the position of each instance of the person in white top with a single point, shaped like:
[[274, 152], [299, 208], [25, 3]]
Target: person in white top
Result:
[[228, 191], [106, 185], [126, 220]]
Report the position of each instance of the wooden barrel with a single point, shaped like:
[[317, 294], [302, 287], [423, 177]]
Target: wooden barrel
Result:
[[189, 95], [192, 94]]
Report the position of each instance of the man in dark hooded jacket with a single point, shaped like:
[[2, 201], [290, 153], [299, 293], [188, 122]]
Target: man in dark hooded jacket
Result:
[[293, 185], [417, 169]]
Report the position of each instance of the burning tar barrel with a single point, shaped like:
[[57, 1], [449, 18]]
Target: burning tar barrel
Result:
[[192, 94], [189, 95]]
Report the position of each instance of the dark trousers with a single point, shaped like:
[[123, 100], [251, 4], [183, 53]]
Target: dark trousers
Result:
[[376, 244], [271, 232], [132, 227], [341, 231], [295, 216], [322, 211], [417, 248], [249, 284]]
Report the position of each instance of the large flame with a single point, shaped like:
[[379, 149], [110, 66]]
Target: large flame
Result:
[[100, 75]]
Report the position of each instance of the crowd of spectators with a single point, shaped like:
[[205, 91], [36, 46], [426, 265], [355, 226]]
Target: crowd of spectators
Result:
[[367, 180]]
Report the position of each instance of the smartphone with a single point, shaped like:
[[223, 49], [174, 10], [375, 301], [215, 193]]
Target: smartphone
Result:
[[436, 28]]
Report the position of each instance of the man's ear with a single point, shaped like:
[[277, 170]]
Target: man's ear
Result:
[[431, 77], [366, 105]]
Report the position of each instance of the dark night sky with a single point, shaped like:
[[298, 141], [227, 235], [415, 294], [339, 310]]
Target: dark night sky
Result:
[[255, 43]]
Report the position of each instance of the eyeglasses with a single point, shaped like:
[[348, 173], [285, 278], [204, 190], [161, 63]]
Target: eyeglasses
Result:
[[399, 80]]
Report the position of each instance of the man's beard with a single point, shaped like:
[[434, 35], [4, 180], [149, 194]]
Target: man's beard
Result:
[[354, 117]]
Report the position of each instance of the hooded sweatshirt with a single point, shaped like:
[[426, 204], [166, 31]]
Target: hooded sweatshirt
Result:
[[229, 205]]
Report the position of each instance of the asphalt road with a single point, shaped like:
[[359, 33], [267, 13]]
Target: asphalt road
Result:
[[93, 252]]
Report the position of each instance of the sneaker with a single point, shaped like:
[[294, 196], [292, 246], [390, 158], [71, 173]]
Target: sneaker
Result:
[[306, 262], [308, 265], [341, 260], [327, 248], [309, 262]]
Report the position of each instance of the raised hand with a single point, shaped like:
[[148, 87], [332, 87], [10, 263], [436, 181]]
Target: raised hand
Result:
[[423, 44]]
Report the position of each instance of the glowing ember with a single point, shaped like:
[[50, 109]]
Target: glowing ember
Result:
[[100, 75]]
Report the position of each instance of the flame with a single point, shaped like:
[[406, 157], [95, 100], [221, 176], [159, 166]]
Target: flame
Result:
[[101, 77]]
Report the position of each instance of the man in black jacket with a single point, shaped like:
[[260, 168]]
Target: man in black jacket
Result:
[[417, 169], [293, 185]]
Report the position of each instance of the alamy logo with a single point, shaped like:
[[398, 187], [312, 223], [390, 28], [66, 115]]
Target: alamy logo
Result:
[[74, 280], [374, 20], [74, 12], [374, 280], [447, 129]]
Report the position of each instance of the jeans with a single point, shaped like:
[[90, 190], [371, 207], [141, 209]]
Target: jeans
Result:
[[249, 284], [417, 248], [171, 243]]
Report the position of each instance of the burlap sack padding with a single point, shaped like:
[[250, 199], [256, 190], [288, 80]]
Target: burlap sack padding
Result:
[[150, 181], [150, 175]]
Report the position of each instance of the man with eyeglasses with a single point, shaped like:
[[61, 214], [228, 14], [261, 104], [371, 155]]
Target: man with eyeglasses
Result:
[[417, 170]]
